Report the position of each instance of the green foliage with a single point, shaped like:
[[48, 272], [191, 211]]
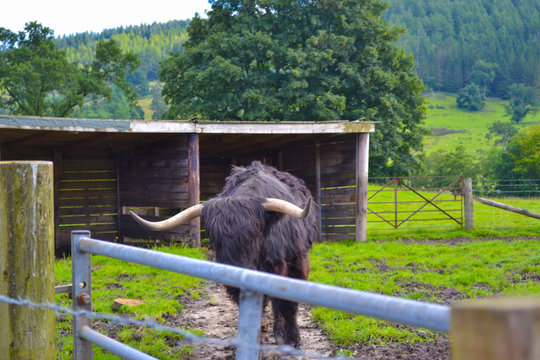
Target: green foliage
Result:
[[295, 61], [471, 98], [432, 272], [448, 37], [454, 162], [37, 78], [525, 153], [483, 74], [504, 130], [523, 101]]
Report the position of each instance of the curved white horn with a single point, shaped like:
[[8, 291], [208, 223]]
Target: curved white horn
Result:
[[172, 222], [285, 207]]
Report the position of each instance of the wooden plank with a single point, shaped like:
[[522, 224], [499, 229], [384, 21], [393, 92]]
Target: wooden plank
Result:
[[337, 237], [87, 219], [89, 164], [84, 209]]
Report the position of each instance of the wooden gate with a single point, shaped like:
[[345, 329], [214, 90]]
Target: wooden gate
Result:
[[396, 202]]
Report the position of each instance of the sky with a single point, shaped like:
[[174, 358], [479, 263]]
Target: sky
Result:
[[67, 17]]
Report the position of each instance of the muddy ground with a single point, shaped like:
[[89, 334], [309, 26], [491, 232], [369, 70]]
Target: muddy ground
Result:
[[217, 317]]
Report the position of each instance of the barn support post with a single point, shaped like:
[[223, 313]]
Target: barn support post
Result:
[[362, 162], [318, 185], [194, 182], [496, 329], [468, 203], [27, 259]]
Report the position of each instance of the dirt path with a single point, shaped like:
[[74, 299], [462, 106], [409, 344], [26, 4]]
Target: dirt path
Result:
[[217, 317]]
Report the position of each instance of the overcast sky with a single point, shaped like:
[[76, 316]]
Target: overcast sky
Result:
[[67, 17]]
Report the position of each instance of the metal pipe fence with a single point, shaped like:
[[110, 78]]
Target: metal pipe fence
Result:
[[253, 285]]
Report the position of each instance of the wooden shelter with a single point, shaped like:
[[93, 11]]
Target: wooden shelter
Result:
[[104, 168]]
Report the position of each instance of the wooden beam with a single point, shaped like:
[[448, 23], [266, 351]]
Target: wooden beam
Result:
[[194, 185], [318, 187], [507, 207], [362, 158]]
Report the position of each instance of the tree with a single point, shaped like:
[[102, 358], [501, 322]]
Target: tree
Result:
[[158, 104], [521, 160], [483, 74], [37, 79], [523, 101], [296, 60], [524, 150], [504, 130], [471, 98]]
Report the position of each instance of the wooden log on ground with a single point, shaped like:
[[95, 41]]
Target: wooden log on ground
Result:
[[507, 207], [27, 259], [496, 329]]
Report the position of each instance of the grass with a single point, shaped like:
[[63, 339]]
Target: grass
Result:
[[433, 272], [162, 292], [452, 126]]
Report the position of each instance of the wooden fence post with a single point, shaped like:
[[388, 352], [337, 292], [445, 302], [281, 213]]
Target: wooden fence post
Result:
[[468, 203], [27, 259], [496, 329]]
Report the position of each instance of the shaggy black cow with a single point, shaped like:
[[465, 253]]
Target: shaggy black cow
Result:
[[254, 223]]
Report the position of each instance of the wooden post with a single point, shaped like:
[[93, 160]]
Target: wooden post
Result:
[[27, 259], [318, 185], [362, 158], [496, 329], [194, 187], [468, 203]]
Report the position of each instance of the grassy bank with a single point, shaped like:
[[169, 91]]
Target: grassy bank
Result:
[[452, 126]]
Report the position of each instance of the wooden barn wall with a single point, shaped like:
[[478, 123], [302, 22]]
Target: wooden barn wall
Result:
[[153, 181], [337, 181], [338, 189], [85, 189], [86, 195]]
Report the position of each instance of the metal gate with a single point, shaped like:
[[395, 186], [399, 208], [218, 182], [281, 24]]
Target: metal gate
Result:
[[397, 202]]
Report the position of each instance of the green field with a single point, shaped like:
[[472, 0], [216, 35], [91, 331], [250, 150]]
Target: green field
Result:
[[451, 126]]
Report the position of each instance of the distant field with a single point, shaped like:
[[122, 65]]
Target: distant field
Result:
[[452, 126]]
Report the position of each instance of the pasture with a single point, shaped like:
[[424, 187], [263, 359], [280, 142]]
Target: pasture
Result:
[[452, 126], [433, 267]]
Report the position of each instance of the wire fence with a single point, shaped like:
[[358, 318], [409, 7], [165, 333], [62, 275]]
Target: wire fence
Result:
[[523, 188], [188, 337]]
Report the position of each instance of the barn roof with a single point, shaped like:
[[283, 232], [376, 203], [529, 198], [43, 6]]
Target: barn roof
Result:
[[181, 126], [120, 135]]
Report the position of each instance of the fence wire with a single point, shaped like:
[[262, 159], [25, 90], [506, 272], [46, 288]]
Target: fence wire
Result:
[[285, 350]]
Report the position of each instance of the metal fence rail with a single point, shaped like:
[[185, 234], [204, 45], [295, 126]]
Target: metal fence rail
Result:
[[252, 284]]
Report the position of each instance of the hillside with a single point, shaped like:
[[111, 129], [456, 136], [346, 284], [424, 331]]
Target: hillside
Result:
[[451, 126], [446, 38]]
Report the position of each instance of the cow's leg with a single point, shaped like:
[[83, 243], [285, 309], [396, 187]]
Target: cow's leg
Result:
[[285, 312], [285, 327]]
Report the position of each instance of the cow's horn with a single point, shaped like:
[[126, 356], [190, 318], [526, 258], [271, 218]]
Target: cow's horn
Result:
[[172, 222], [282, 206]]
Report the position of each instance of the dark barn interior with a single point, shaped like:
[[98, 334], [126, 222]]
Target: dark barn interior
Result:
[[104, 168]]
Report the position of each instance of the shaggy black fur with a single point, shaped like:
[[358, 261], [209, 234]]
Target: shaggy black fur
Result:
[[241, 233]]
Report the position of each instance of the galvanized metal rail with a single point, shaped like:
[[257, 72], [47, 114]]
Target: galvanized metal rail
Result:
[[252, 285]]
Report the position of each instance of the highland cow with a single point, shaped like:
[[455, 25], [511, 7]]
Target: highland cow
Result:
[[255, 223]]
